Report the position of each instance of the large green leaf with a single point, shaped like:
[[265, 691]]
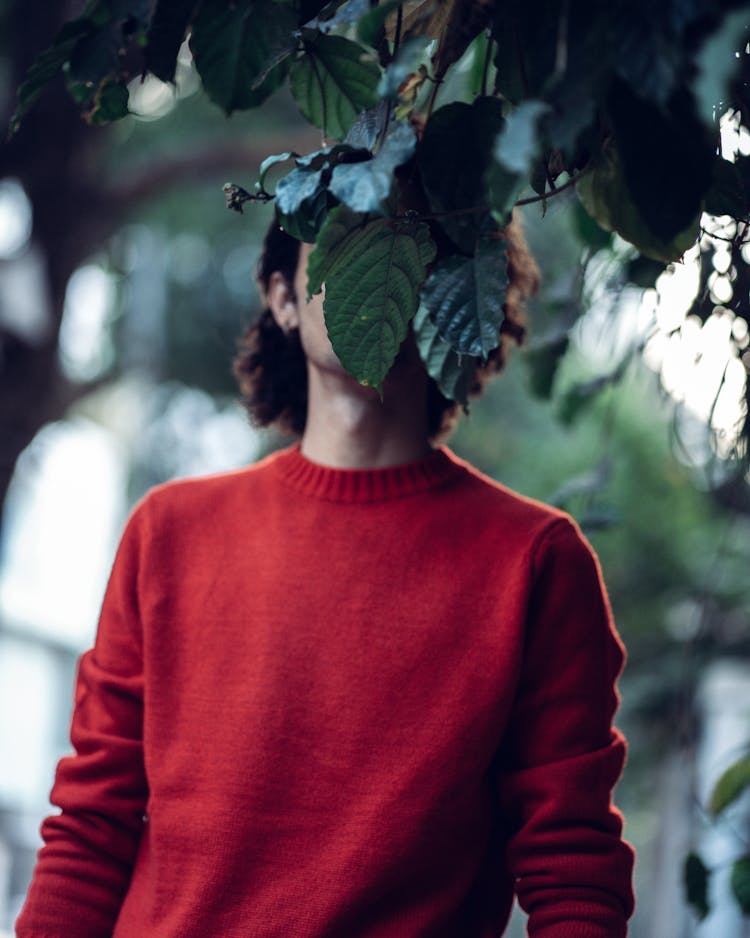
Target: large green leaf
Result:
[[365, 186], [295, 187], [308, 218], [110, 103], [526, 53], [235, 47], [453, 158], [333, 81], [666, 156], [166, 31], [47, 65], [465, 296], [740, 883], [695, 877], [453, 373], [98, 57], [731, 784], [606, 197], [372, 271]]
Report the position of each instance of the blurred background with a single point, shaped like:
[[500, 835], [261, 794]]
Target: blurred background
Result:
[[124, 283]]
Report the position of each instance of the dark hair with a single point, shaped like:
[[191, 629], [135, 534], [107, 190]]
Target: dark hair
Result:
[[270, 364]]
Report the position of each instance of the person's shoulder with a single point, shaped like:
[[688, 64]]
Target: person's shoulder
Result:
[[205, 497], [500, 503]]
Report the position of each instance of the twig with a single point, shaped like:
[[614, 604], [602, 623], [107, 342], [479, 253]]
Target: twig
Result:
[[543, 198]]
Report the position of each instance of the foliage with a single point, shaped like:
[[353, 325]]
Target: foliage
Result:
[[620, 101]]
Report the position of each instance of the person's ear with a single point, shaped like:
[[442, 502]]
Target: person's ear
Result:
[[282, 302]]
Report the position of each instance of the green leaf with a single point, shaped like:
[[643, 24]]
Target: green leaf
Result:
[[730, 785], [453, 159], [365, 186], [294, 188], [526, 53], [234, 45], [47, 65], [695, 876], [110, 103], [308, 218], [166, 32], [518, 142], [372, 272], [371, 26], [666, 157], [590, 233], [606, 197], [453, 373], [98, 57], [367, 128], [333, 81], [740, 883], [465, 296]]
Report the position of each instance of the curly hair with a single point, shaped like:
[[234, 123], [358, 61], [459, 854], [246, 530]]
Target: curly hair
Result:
[[270, 365]]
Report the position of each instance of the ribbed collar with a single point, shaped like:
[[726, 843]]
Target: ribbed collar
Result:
[[365, 485]]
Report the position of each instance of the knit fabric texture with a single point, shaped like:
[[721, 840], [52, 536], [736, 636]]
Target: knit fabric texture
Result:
[[330, 703]]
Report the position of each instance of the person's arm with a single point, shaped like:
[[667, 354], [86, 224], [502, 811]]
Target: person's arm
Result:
[[561, 756], [84, 867]]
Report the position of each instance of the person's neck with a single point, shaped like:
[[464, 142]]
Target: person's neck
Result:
[[349, 427]]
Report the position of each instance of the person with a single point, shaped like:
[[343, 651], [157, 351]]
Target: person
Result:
[[357, 690]]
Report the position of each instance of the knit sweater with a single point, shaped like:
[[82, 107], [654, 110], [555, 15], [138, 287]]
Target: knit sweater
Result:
[[329, 703]]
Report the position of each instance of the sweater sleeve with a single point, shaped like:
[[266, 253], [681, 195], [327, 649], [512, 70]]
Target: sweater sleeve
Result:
[[84, 867], [561, 756]]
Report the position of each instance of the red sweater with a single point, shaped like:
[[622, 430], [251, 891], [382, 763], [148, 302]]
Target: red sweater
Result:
[[333, 703]]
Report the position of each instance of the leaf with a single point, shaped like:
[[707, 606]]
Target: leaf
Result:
[[372, 272], [464, 297], [666, 157], [166, 32], [309, 217], [606, 197], [365, 186], [526, 54], [590, 233], [98, 57], [371, 26], [695, 877], [368, 127], [333, 81], [453, 373], [730, 785], [233, 45], [464, 20], [110, 103], [518, 142], [294, 188], [46, 66], [270, 161], [453, 159], [740, 883]]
